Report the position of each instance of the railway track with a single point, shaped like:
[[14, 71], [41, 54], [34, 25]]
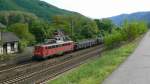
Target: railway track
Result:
[[31, 64], [31, 73], [69, 65]]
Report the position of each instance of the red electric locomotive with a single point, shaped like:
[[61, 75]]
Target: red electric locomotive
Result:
[[58, 45], [43, 51]]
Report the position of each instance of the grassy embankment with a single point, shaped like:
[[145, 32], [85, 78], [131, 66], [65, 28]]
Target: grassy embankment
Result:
[[95, 71], [6, 57]]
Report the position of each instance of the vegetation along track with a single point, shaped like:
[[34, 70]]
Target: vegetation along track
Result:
[[32, 73]]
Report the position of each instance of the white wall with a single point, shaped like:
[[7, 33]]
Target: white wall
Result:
[[1, 50], [16, 47], [8, 48], [9, 51]]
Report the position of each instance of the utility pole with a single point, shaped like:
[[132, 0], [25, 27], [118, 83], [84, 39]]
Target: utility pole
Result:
[[72, 28], [0, 34], [1, 52]]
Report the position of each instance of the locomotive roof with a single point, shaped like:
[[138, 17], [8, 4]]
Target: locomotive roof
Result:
[[43, 45]]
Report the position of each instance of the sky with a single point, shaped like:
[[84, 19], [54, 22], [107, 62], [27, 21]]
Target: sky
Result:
[[102, 8]]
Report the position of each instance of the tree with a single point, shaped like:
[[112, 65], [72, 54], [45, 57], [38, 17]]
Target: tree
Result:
[[62, 22], [76, 27], [104, 24], [41, 30], [12, 17], [22, 31], [133, 29], [90, 29]]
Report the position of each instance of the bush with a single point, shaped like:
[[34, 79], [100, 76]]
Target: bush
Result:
[[6, 57], [22, 31], [23, 44], [134, 29], [128, 32], [143, 27], [113, 39], [131, 31]]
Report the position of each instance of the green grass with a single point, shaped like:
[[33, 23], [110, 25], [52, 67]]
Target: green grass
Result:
[[6, 57], [95, 71]]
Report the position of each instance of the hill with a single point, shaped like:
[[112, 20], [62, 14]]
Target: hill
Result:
[[39, 8], [134, 16], [10, 17]]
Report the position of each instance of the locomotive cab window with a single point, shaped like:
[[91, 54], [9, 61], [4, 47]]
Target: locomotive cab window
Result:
[[60, 45], [68, 43], [37, 47], [49, 47], [53, 46], [63, 44]]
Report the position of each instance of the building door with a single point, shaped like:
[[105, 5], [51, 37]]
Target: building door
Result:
[[5, 48]]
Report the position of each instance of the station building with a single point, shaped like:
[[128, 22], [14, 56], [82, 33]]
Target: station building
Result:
[[9, 43]]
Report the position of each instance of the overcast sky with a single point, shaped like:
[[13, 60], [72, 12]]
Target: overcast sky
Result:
[[102, 8]]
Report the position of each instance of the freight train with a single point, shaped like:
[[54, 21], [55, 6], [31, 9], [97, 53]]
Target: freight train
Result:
[[61, 44]]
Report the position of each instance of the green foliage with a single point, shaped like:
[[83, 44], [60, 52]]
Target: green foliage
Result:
[[95, 71], [143, 26], [133, 29], [77, 27], [12, 17], [62, 22], [22, 31], [41, 30], [128, 32], [104, 25], [113, 39], [90, 29], [6, 57], [23, 44]]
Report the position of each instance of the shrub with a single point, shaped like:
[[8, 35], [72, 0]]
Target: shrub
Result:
[[22, 45], [113, 39], [129, 31], [143, 27], [134, 29], [6, 57], [22, 31]]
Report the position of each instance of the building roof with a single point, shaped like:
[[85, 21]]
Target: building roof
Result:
[[9, 37]]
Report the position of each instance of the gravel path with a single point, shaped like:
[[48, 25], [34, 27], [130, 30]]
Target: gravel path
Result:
[[136, 69]]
